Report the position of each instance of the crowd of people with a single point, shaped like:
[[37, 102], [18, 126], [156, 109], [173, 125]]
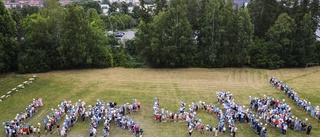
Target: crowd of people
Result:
[[69, 111], [102, 110], [95, 113], [233, 112], [19, 126], [109, 112], [189, 116], [306, 106], [278, 114], [227, 118]]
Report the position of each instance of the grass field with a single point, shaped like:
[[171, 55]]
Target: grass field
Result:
[[169, 85]]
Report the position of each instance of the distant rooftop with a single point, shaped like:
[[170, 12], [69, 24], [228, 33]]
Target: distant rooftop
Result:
[[21, 3]]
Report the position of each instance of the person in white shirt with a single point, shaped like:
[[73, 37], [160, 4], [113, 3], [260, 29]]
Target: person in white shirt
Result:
[[216, 131], [94, 130], [63, 132], [285, 127], [190, 131], [34, 130], [224, 129], [38, 130]]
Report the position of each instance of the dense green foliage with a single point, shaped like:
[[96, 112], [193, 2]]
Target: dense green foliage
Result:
[[169, 41], [88, 5], [57, 38], [267, 34], [7, 42], [193, 33], [117, 21]]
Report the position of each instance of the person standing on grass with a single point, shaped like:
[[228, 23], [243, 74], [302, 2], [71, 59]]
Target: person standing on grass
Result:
[[224, 129], [58, 128], [141, 132], [285, 127], [105, 133], [91, 132], [309, 129], [34, 131], [31, 130], [201, 128], [234, 131], [83, 116], [157, 117], [216, 132], [63, 131], [51, 127], [38, 130], [264, 131], [138, 104], [303, 126], [94, 131], [190, 131], [136, 129]]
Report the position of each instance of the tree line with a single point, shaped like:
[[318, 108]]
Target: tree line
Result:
[[59, 37], [193, 33], [264, 34]]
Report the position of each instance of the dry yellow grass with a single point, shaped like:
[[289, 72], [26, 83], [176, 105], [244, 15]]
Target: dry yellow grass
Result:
[[169, 85]]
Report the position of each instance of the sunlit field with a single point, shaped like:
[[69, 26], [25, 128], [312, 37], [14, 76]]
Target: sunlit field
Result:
[[169, 85]]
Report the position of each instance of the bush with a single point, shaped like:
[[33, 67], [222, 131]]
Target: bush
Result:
[[132, 62], [33, 61]]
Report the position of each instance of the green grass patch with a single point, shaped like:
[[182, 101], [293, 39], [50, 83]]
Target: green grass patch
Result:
[[169, 85]]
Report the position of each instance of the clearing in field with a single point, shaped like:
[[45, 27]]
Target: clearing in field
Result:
[[169, 85]]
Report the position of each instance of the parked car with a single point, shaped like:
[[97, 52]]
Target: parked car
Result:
[[120, 34]]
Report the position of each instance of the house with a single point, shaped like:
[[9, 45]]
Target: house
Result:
[[134, 2], [21, 3]]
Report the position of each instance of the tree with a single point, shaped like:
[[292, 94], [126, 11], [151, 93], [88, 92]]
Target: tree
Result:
[[124, 8], [75, 43], [214, 34], [43, 36], [144, 13], [105, 2], [193, 13], [281, 36], [170, 41], [230, 44], [314, 8], [34, 57], [99, 50], [245, 35], [17, 17], [299, 9], [113, 7], [305, 41], [161, 6], [135, 12], [54, 13], [7, 42], [88, 5], [28, 10], [259, 54], [316, 57], [84, 42], [263, 14], [143, 40]]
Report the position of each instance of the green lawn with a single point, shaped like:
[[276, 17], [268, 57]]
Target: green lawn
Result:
[[169, 85]]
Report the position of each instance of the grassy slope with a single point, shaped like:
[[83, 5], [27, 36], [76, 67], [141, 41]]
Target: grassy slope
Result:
[[169, 85]]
